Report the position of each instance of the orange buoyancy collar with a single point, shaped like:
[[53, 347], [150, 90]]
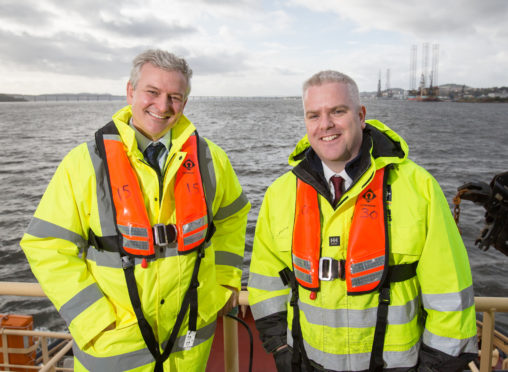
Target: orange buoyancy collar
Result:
[[131, 215], [367, 249]]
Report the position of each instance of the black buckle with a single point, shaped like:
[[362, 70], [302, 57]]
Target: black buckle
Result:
[[384, 295], [127, 262], [285, 275], [164, 235], [330, 269]]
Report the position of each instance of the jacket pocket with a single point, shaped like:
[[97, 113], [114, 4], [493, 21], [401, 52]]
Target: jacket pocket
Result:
[[283, 238], [408, 239], [120, 340]]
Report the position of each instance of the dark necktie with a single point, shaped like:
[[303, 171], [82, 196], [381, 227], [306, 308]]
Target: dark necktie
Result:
[[337, 187], [152, 155]]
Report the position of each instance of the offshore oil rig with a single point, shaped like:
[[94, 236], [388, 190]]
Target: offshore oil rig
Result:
[[428, 89]]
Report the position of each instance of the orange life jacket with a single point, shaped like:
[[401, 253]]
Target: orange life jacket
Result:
[[131, 216], [367, 251]]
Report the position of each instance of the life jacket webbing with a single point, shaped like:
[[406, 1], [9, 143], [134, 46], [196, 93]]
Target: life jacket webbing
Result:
[[299, 355]]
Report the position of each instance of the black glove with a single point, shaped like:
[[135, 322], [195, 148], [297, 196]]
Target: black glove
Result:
[[432, 360], [477, 192], [495, 232], [283, 359]]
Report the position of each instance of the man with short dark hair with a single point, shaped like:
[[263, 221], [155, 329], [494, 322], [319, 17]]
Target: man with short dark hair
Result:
[[357, 264], [139, 238]]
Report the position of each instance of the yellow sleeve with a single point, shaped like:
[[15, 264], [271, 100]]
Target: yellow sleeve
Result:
[[54, 244]]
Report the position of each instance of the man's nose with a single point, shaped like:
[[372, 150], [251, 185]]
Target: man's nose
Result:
[[325, 122], [164, 103]]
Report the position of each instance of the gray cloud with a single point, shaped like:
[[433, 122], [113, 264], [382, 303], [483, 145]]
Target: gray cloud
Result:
[[218, 64], [152, 28], [73, 54], [66, 53], [24, 13]]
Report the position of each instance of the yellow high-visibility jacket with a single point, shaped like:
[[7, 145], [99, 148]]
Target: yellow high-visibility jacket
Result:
[[433, 310], [88, 286]]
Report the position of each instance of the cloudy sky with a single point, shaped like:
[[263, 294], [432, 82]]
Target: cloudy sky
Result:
[[248, 47]]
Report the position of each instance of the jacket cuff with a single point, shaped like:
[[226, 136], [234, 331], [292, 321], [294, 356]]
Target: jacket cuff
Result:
[[431, 359], [88, 325], [272, 331]]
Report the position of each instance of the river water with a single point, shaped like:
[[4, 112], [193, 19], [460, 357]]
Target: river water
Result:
[[456, 142]]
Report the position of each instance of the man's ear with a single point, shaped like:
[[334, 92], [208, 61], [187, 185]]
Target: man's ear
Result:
[[362, 114], [130, 92]]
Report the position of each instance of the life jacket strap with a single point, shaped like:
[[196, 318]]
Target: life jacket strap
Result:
[[144, 326], [190, 301], [396, 273], [299, 353], [163, 235]]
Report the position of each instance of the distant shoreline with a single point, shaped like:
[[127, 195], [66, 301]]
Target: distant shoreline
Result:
[[59, 97], [83, 97]]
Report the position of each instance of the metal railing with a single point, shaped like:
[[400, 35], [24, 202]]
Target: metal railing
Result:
[[490, 338]]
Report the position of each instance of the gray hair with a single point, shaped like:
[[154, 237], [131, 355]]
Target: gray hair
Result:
[[161, 59], [330, 76]]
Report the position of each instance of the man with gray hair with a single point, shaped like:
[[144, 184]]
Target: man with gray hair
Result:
[[139, 238], [357, 263]]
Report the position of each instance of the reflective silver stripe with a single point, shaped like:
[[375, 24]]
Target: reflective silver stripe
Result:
[[360, 361], [457, 301], [202, 335], [194, 237], [365, 318], [196, 224], [104, 258], [270, 306], [80, 302], [117, 363], [228, 258], [135, 244], [451, 346], [304, 264], [367, 265], [366, 279], [232, 208], [113, 260], [208, 172], [113, 137], [265, 283], [104, 202], [302, 276], [133, 231], [44, 229]]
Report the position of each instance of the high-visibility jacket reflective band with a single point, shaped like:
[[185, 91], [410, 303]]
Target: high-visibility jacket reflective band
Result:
[[131, 216], [366, 253]]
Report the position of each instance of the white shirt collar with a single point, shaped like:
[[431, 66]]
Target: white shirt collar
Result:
[[143, 142], [329, 174]]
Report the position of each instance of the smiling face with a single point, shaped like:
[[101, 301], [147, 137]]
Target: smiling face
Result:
[[334, 123], [157, 100]]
